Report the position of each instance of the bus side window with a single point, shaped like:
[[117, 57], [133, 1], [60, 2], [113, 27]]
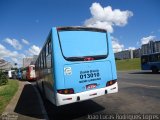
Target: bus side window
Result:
[[158, 58], [155, 58], [48, 54], [41, 61], [151, 58], [47, 49], [44, 57], [144, 59]]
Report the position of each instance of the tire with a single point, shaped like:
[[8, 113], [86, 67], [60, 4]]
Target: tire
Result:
[[37, 86], [43, 92], [154, 69]]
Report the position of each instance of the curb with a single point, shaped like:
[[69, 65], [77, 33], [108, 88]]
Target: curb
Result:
[[9, 110]]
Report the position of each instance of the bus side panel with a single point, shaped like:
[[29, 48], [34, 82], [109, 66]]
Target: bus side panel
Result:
[[111, 58], [58, 62], [49, 78], [145, 66]]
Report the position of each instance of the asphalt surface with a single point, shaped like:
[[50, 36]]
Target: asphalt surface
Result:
[[28, 105], [139, 93], [25, 105]]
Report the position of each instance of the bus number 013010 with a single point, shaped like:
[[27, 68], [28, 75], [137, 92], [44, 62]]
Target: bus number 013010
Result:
[[89, 75]]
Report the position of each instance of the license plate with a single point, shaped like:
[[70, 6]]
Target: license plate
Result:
[[91, 86]]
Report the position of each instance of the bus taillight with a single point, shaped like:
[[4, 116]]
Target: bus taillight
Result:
[[58, 28], [88, 58], [111, 82], [66, 91]]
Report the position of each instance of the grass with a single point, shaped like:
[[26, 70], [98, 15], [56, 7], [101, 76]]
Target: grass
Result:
[[128, 64], [7, 92]]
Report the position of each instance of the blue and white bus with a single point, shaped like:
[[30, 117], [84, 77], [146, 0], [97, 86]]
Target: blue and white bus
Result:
[[151, 62], [19, 74], [76, 64]]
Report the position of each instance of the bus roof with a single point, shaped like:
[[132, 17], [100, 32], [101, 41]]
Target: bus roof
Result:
[[81, 28]]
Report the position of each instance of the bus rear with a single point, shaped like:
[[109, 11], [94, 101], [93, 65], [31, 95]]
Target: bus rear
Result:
[[30, 73], [84, 64]]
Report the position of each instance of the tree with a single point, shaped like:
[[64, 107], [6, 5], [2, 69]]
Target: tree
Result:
[[3, 78]]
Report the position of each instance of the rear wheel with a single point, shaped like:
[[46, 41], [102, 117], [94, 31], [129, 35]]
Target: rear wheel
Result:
[[37, 86], [154, 69], [43, 91]]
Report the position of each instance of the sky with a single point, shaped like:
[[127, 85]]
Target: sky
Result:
[[25, 24]]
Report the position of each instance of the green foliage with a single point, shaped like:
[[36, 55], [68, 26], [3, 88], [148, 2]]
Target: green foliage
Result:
[[3, 78], [117, 59], [7, 92], [128, 64], [14, 68]]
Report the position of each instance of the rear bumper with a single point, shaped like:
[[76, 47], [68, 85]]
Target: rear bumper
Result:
[[67, 99]]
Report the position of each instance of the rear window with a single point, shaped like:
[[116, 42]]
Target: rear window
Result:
[[76, 44]]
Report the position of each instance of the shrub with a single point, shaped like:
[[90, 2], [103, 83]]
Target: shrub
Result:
[[3, 78]]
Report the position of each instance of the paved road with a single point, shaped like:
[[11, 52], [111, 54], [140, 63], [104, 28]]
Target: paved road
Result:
[[25, 105], [139, 92]]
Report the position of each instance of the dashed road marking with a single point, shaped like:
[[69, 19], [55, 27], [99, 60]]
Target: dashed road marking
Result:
[[143, 85]]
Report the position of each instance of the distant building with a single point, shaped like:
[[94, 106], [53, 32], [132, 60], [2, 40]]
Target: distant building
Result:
[[29, 61], [144, 49], [127, 54], [137, 53], [150, 47], [34, 59], [157, 46], [4, 65]]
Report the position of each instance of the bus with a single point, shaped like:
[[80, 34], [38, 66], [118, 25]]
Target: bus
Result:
[[76, 64], [151, 62], [29, 73], [10, 74], [19, 74]]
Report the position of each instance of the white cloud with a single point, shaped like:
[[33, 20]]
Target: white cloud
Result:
[[138, 43], [145, 40], [131, 48], [117, 47], [3, 51], [15, 60], [14, 43], [34, 50], [106, 18], [25, 41], [13, 55]]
